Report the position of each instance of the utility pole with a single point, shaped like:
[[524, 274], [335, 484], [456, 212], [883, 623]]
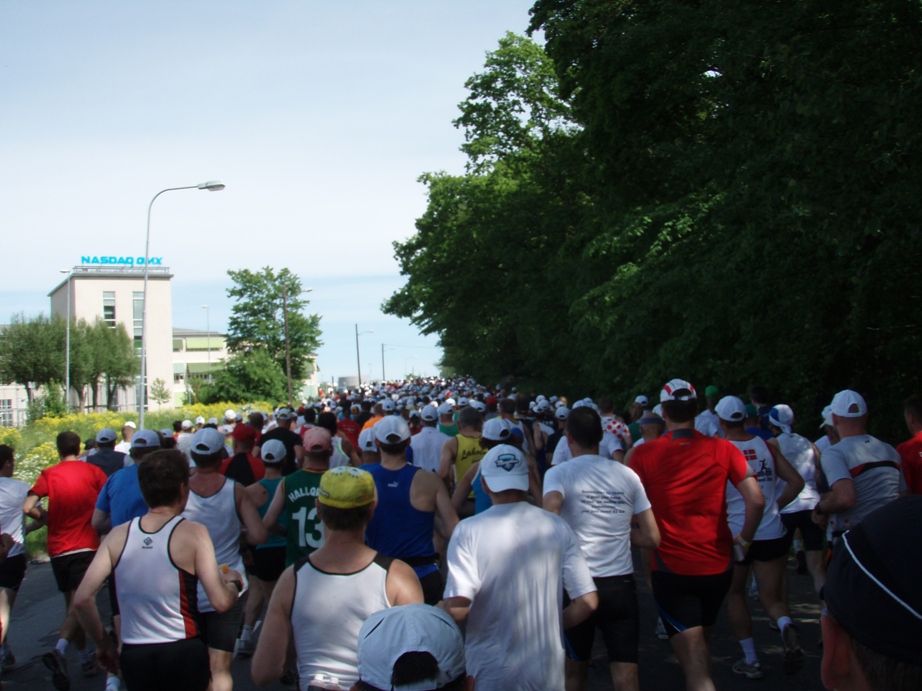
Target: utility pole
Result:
[[383, 375], [287, 341]]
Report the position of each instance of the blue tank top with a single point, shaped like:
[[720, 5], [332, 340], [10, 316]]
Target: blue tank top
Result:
[[482, 500], [274, 540], [397, 529]]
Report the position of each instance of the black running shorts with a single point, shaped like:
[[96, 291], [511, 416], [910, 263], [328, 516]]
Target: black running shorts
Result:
[[812, 534], [12, 571], [220, 630], [618, 618], [176, 666], [685, 602], [69, 569]]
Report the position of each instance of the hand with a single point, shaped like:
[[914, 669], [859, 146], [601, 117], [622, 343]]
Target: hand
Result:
[[230, 575], [107, 656], [743, 546]]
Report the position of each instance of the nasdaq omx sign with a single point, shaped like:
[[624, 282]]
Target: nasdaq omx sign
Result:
[[121, 261]]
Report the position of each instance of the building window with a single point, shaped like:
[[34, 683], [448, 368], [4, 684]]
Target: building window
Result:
[[6, 412], [108, 308], [137, 317], [178, 377]]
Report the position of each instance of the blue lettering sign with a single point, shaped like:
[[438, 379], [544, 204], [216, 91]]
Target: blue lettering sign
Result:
[[119, 261]]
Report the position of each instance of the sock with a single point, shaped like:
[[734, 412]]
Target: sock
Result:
[[749, 650], [61, 647], [783, 623], [113, 684], [247, 633], [798, 545]]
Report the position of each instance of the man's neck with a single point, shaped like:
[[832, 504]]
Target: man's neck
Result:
[[737, 434], [672, 426], [69, 458], [577, 451], [315, 465], [393, 462], [511, 497]]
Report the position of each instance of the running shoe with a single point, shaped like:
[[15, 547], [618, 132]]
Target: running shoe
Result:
[[89, 668], [245, 649], [801, 562], [55, 662], [661, 630], [793, 660], [7, 660], [750, 671]]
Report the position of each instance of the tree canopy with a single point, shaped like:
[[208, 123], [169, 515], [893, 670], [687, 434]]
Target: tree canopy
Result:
[[723, 192]]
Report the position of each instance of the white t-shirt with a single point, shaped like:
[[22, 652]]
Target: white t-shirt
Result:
[[12, 496], [799, 452], [513, 562], [427, 448], [123, 447], [708, 423], [600, 497], [762, 461], [607, 447], [823, 443]]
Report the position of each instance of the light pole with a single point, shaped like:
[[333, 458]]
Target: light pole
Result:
[[405, 361], [384, 376], [208, 336], [67, 347], [358, 357], [211, 186]]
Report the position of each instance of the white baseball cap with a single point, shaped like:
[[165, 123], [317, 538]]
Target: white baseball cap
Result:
[[230, 414], [367, 440], [446, 408], [199, 420], [479, 406], [504, 467], [130, 424], [731, 409], [273, 451], [390, 633], [186, 424], [429, 413], [677, 390], [207, 441], [392, 430], [848, 403], [642, 400], [562, 412], [497, 429], [387, 405], [782, 416], [827, 417]]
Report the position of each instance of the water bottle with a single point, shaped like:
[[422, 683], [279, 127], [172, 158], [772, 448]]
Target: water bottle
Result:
[[321, 682]]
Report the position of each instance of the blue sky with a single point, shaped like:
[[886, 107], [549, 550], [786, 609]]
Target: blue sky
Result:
[[318, 116]]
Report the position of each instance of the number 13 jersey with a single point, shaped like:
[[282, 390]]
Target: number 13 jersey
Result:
[[305, 531]]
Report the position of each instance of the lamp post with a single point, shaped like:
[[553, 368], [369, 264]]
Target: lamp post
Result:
[[208, 336], [211, 186], [358, 357], [67, 346], [383, 375]]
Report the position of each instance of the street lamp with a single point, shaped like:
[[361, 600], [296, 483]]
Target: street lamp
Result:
[[358, 357], [211, 186], [384, 376], [67, 347]]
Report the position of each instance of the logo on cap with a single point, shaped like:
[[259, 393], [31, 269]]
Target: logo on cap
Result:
[[506, 461]]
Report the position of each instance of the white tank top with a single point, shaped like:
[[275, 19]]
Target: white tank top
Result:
[[799, 452], [339, 457], [218, 513], [156, 598], [762, 462], [326, 614]]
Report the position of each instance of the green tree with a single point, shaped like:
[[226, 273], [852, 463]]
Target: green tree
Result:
[[120, 363], [159, 392], [32, 351], [257, 318], [251, 375]]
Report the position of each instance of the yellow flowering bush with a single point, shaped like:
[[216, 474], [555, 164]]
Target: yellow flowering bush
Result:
[[31, 463], [11, 437]]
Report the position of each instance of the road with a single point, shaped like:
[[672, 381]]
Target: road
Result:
[[40, 607]]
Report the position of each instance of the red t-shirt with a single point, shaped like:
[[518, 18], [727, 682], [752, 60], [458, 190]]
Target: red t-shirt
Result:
[[685, 475], [256, 465], [911, 454], [351, 429], [72, 488]]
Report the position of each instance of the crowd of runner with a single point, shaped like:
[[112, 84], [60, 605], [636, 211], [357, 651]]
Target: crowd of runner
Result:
[[339, 544]]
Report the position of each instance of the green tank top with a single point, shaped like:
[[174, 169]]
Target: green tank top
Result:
[[469, 452], [305, 531]]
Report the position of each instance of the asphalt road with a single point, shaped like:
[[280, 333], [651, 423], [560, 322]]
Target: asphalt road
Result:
[[40, 608]]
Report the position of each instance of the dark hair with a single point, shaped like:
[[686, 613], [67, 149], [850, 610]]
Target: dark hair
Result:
[[734, 424], [913, 406], [393, 449], [605, 405], [414, 667], [139, 452], [258, 421], [6, 454], [310, 415], [161, 475], [177, 425], [167, 442], [585, 427], [507, 406], [366, 405], [470, 418], [328, 422], [680, 411], [206, 460], [68, 444], [342, 519], [758, 394], [884, 673], [93, 444], [521, 403]]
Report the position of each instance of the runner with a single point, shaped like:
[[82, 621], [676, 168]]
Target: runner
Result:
[[128, 430], [447, 424], [461, 451], [158, 562], [708, 422], [685, 475], [225, 509], [320, 603], [294, 450], [510, 590], [106, 458], [294, 499], [368, 447], [71, 487], [269, 557], [13, 495], [780, 484], [408, 503], [427, 445], [344, 452], [243, 466], [600, 501], [911, 450], [863, 472]]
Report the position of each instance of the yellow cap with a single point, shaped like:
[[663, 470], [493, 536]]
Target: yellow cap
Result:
[[346, 488]]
